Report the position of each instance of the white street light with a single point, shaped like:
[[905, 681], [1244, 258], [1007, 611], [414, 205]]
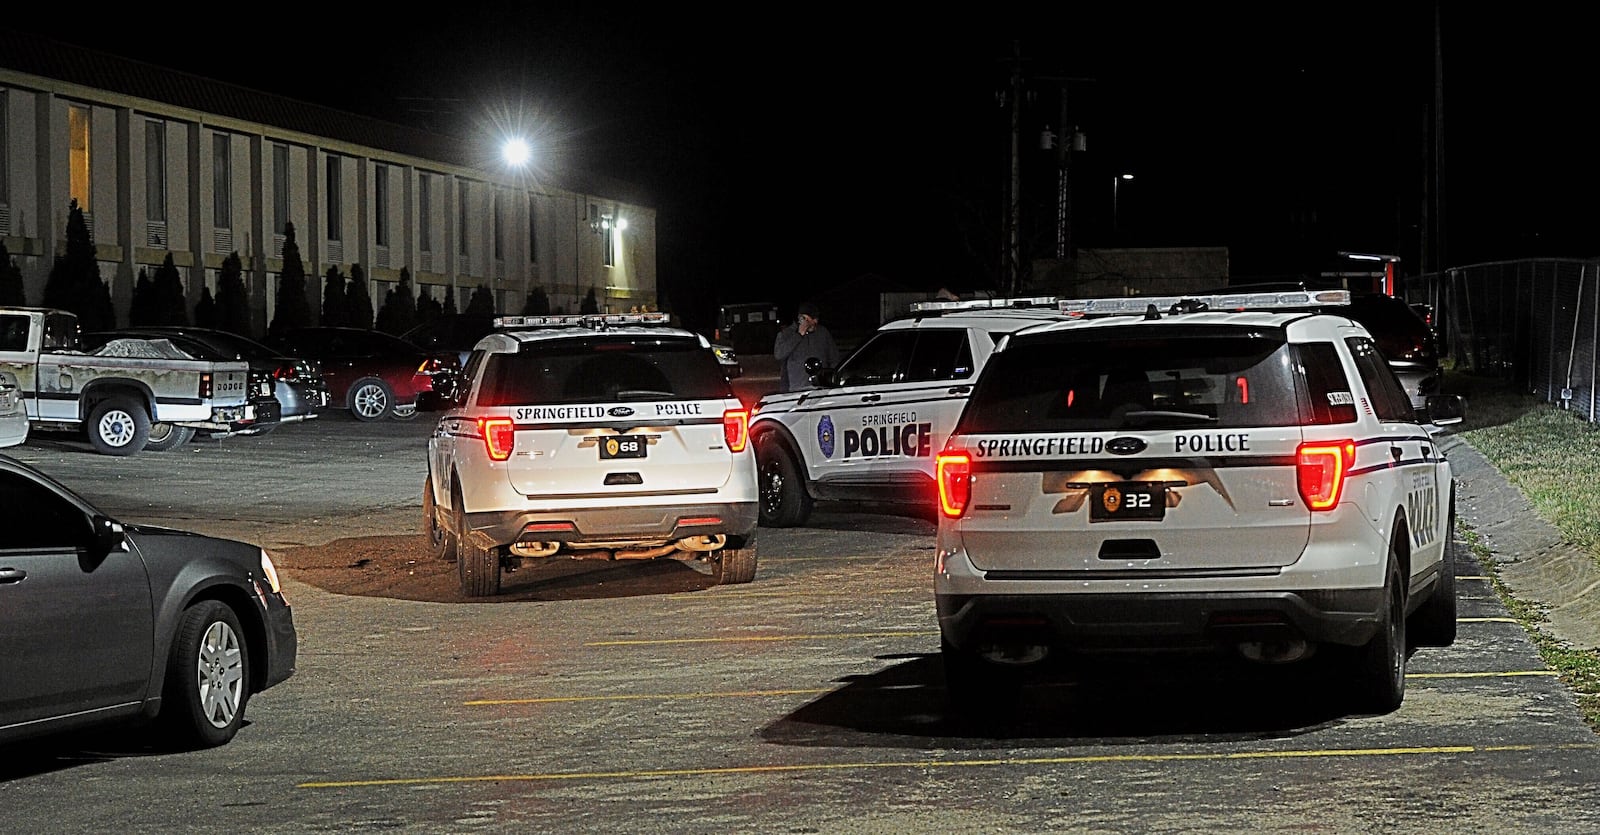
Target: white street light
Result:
[[517, 152], [1116, 185]]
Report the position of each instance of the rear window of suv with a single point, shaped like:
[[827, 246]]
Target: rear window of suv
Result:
[[602, 370], [1094, 380]]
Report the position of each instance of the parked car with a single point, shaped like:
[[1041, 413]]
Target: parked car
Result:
[[452, 332], [106, 623], [374, 374], [13, 413], [297, 383]]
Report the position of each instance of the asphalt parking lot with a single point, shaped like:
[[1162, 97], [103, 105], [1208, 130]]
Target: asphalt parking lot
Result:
[[640, 698]]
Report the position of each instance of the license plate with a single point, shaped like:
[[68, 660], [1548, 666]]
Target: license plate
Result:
[[623, 446], [1128, 501]]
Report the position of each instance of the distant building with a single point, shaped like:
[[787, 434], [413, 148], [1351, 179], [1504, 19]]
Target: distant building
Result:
[[166, 162], [1146, 271]]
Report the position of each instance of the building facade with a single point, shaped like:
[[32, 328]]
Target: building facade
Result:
[[164, 163]]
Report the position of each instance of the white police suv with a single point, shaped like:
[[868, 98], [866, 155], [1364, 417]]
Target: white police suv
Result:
[[870, 429], [1229, 472], [609, 437]]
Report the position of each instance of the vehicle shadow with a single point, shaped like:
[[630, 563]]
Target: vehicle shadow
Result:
[[1092, 701], [37, 757]]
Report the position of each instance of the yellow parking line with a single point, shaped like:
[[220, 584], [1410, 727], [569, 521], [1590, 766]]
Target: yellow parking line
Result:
[[1486, 620], [777, 560], [1471, 577], [932, 764], [629, 697], [833, 595], [749, 638]]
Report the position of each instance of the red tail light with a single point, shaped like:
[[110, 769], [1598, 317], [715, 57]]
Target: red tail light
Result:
[[953, 471], [205, 386], [499, 437], [1322, 468], [286, 372], [736, 428]]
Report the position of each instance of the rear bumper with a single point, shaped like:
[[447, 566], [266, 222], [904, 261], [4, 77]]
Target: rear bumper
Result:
[[634, 525], [1160, 621]]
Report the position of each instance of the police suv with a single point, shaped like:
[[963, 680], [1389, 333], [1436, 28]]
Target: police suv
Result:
[[870, 429], [1236, 472], [609, 437]]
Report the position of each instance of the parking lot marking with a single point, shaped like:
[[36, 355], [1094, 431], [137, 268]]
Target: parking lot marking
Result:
[[1505, 674], [741, 639], [1478, 577], [829, 595], [930, 764], [638, 697], [1486, 620]]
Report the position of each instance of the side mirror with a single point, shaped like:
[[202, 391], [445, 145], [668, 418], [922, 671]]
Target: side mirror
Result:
[[1445, 409], [107, 536]]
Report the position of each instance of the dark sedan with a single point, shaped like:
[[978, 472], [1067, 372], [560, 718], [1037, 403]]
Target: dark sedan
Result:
[[298, 383], [374, 374], [105, 623]]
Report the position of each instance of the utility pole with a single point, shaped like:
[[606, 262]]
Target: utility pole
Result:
[[1012, 256]]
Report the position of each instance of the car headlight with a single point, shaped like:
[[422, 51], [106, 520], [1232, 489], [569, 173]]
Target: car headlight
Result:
[[270, 571]]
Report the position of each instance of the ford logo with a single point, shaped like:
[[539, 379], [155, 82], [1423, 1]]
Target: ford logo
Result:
[[1124, 446], [619, 411]]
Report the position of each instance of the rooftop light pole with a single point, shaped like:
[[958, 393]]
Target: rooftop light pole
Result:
[[1116, 186]]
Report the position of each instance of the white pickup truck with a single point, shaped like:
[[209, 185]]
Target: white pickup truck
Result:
[[128, 397]]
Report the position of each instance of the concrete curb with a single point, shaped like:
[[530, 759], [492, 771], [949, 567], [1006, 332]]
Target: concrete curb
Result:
[[1536, 563]]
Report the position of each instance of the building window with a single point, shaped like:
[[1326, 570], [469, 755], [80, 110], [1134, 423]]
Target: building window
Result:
[[533, 236], [155, 171], [221, 181], [335, 216], [78, 156], [499, 225], [5, 160], [608, 240], [462, 221], [380, 199], [280, 189], [425, 213]]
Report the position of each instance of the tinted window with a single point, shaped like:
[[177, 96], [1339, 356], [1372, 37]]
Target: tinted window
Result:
[[1089, 382], [1330, 399], [13, 333], [881, 360], [34, 516], [1389, 399], [1400, 333], [601, 370], [940, 354]]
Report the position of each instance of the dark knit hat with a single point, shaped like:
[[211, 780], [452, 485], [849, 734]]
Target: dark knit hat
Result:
[[808, 309]]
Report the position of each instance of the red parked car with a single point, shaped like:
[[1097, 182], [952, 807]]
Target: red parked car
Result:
[[374, 374]]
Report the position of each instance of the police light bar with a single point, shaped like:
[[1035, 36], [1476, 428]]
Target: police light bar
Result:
[[581, 320], [983, 304], [1138, 305]]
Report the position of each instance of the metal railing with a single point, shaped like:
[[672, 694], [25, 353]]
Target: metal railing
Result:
[[1532, 322]]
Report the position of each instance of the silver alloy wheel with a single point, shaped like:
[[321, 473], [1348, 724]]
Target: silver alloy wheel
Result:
[[405, 412], [221, 679], [371, 401], [116, 428]]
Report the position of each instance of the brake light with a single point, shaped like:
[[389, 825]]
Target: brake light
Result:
[[1322, 468], [499, 437], [205, 386], [736, 428], [285, 372], [953, 471]]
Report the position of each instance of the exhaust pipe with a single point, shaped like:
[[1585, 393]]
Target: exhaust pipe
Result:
[[709, 542], [535, 549], [1276, 652]]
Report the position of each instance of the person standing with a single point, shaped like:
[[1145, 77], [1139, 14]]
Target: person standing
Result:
[[804, 340]]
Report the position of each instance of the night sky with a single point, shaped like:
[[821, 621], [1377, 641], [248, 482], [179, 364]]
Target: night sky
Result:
[[794, 151]]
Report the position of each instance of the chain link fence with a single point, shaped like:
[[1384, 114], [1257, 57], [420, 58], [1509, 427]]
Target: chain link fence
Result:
[[1532, 322]]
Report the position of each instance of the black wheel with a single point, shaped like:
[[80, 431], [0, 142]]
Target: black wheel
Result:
[[208, 676], [165, 436], [784, 500], [735, 565], [976, 690], [1433, 624], [441, 539], [370, 399], [118, 426], [1379, 675], [477, 564]]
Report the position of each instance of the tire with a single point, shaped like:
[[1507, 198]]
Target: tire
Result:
[[208, 676], [783, 498], [406, 412], [165, 436], [1378, 678], [1433, 624], [441, 539], [118, 426], [477, 566], [370, 399], [975, 690], [735, 565]]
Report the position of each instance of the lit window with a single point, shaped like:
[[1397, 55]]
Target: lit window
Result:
[[78, 156]]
